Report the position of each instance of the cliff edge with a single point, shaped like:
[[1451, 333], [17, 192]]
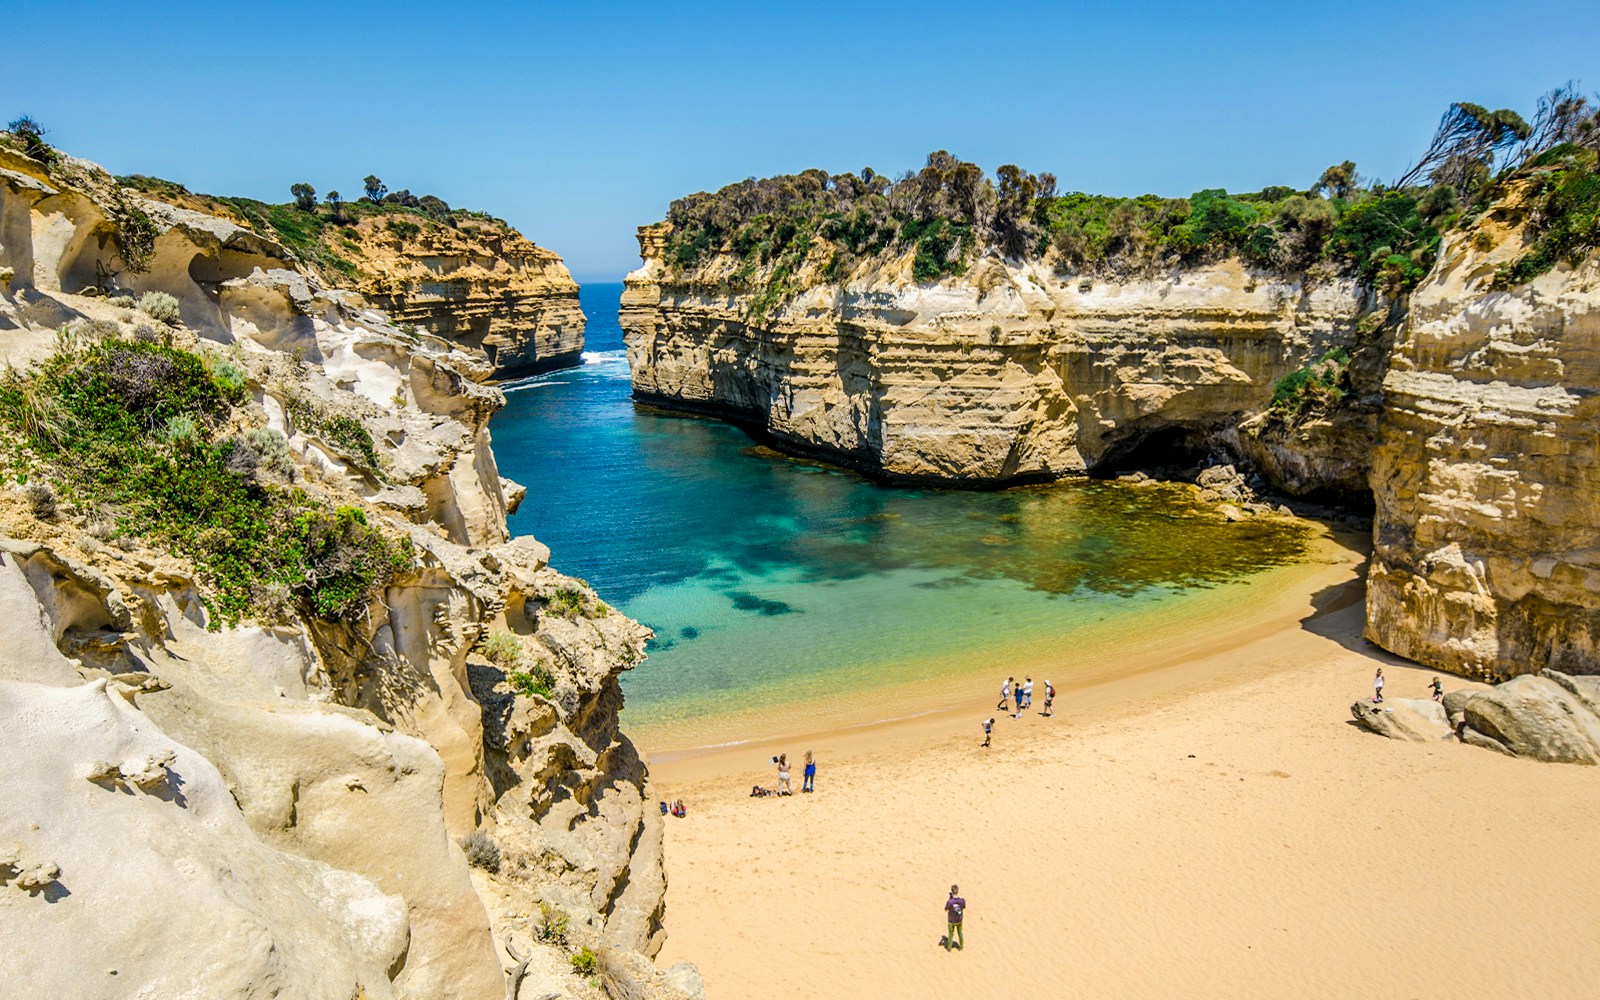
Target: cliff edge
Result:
[[286, 711]]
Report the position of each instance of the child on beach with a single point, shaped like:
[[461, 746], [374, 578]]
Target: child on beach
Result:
[[1005, 694], [809, 775], [1016, 699], [1049, 699], [784, 788], [953, 908], [1027, 693], [1377, 687], [1438, 690], [988, 728]]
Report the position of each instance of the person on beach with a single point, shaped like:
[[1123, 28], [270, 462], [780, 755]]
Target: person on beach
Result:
[[1438, 690], [988, 730], [953, 908], [1005, 694], [1049, 699], [809, 775], [784, 788], [1016, 699], [1027, 693], [1377, 687]]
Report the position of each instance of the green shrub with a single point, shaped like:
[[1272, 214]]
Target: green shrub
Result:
[[553, 924], [583, 963], [346, 434], [1314, 388], [1566, 216], [122, 301], [537, 681], [161, 307], [129, 426], [134, 235], [228, 376], [567, 602], [501, 648], [32, 135]]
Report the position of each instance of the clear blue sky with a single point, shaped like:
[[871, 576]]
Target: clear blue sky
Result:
[[579, 121]]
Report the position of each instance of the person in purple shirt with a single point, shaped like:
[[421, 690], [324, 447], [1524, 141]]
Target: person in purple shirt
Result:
[[953, 908]]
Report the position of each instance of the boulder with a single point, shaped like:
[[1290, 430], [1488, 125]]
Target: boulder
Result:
[[1549, 717], [1419, 720]]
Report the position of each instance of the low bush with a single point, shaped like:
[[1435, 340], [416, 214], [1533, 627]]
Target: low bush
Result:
[[568, 602], [536, 681], [133, 427], [553, 924], [481, 850], [584, 962], [1312, 389], [1566, 215], [161, 307], [501, 648]]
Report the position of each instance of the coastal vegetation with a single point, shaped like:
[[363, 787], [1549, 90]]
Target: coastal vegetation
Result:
[[146, 439], [321, 234], [944, 215]]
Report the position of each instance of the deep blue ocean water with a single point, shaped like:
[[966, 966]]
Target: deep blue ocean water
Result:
[[774, 582]]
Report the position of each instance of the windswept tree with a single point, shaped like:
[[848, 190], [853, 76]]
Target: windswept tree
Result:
[[1465, 145], [1562, 116], [335, 206], [374, 188], [32, 135], [1338, 181], [305, 196]]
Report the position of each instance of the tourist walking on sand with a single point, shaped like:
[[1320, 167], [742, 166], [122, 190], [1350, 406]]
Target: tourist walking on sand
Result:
[[953, 908], [1005, 694], [1377, 687], [1027, 693], [1049, 699], [1438, 690], [808, 777], [988, 730], [1016, 699], [784, 788]]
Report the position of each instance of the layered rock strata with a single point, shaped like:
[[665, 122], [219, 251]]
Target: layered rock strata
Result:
[[1009, 373], [1486, 554], [477, 283], [275, 810]]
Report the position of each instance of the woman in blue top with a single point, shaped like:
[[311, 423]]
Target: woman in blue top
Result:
[[810, 774]]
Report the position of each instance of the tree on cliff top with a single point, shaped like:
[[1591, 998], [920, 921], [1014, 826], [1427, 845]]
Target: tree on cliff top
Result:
[[305, 196], [1465, 145], [28, 129], [374, 188]]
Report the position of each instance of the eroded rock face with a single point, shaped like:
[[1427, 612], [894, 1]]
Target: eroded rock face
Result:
[[299, 789], [1419, 720], [1487, 541], [480, 284], [1010, 372]]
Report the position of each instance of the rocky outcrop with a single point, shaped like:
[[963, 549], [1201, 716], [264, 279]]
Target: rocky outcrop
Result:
[[1550, 716], [1008, 373], [299, 788], [475, 282], [1418, 720], [1486, 554]]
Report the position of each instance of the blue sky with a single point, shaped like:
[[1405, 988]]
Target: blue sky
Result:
[[579, 121]]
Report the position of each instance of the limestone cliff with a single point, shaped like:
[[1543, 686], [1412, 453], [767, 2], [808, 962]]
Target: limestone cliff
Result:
[[478, 283], [464, 276], [274, 809], [1010, 372], [1487, 541]]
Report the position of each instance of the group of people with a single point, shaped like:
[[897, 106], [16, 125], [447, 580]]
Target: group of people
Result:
[[1436, 688], [781, 762], [1020, 694]]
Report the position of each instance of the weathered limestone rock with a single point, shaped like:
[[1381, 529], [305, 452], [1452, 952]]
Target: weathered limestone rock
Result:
[[298, 788], [1420, 720], [1550, 717], [1487, 478], [478, 283], [1010, 372]]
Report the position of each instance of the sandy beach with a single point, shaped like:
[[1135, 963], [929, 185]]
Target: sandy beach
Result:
[[1207, 824]]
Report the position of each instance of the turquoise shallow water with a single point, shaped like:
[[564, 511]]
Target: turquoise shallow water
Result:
[[773, 582]]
